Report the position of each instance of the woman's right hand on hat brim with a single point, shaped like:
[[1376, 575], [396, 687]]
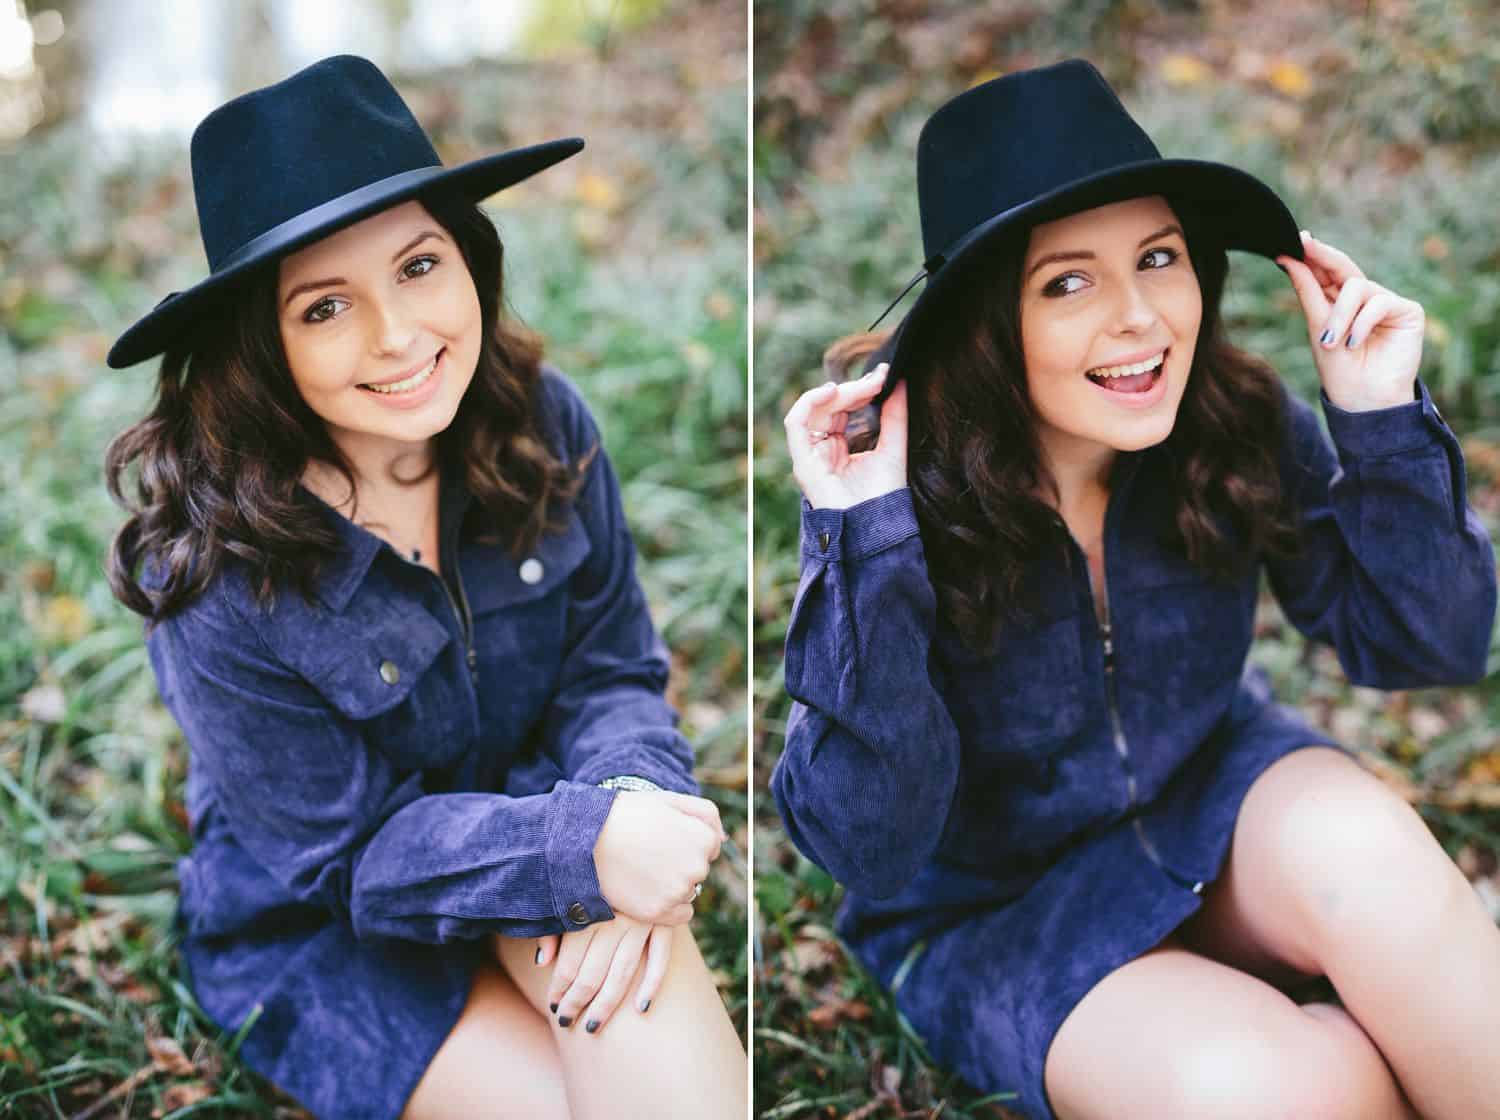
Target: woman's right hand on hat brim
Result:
[[828, 474]]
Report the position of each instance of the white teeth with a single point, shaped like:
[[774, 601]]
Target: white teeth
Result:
[[407, 384], [1130, 370]]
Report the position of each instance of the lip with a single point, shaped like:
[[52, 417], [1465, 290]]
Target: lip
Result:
[[1127, 360], [403, 376], [1149, 398], [416, 397]]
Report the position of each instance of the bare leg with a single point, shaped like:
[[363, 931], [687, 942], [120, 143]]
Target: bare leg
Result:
[[1331, 873], [498, 1062], [682, 1058], [1175, 1034]]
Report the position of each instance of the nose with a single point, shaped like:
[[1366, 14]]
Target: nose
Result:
[[392, 326], [1136, 313]]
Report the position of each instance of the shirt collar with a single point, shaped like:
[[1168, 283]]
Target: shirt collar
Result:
[[345, 570]]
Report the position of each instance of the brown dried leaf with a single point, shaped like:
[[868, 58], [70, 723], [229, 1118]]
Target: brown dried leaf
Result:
[[166, 1054], [828, 1015]]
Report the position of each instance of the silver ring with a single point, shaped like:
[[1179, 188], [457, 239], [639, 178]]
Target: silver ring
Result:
[[817, 435], [697, 890]]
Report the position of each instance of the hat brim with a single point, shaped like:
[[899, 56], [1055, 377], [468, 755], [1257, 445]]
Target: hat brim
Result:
[[1245, 213], [478, 179]]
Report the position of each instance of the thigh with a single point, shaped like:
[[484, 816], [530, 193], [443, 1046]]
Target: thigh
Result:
[[1318, 841], [681, 1058], [1173, 1033], [499, 1061]]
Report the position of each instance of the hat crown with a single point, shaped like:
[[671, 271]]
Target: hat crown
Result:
[[1016, 138], [277, 152]]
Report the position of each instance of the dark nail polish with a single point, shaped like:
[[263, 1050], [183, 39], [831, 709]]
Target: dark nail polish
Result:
[[552, 1007], [565, 1020], [645, 1005], [1349, 342], [538, 954], [591, 1026], [1326, 337]]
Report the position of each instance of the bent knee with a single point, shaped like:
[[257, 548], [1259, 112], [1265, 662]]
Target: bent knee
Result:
[[1326, 1067], [1354, 856]]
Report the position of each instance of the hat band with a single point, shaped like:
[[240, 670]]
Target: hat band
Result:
[[321, 215]]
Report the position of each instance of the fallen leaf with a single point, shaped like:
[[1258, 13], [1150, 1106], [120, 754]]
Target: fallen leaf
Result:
[[167, 1055], [44, 703], [1184, 70], [1289, 78]]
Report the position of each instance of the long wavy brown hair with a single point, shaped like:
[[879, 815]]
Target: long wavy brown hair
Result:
[[974, 464], [222, 452]]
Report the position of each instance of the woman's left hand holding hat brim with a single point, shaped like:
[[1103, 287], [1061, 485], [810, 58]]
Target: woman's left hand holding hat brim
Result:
[[1366, 340]]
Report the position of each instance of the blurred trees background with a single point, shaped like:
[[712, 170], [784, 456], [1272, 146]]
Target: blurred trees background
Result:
[[1378, 121], [629, 259]]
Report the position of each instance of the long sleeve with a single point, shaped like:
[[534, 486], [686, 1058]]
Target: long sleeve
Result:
[[1396, 572], [871, 761], [609, 715], [323, 812]]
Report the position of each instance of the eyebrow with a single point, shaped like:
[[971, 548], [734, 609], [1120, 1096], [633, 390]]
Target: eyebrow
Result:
[[1086, 255], [332, 280]]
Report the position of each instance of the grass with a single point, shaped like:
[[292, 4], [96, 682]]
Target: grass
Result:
[[1358, 125], [631, 265]]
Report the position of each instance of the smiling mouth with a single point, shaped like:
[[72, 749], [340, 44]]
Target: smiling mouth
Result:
[[1138, 377], [407, 384]]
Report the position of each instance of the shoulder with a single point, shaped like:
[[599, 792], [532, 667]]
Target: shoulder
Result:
[[563, 414]]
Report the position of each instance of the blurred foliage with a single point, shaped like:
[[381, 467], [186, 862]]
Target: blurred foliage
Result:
[[629, 259], [1376, 121]]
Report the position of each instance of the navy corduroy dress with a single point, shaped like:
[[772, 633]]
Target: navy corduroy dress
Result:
[[1012, 828], [382, 778]]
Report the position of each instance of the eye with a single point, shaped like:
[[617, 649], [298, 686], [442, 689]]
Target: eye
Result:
[[1054, 288], [321, 311], [1170, 254], [419, 266]]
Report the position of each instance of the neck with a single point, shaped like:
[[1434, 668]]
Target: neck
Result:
[[1080, 468], [385, 471]]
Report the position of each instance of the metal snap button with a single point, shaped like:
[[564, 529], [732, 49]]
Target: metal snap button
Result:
[[577, 914], [823, 539], [1198, 888], [531, 570], [389, 673]]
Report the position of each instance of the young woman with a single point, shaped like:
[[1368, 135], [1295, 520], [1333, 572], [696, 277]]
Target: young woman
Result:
[[444, 826], [1084, 845]]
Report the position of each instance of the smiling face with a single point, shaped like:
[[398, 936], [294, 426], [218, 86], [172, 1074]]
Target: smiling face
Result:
[[382, 329], [1105, 293]]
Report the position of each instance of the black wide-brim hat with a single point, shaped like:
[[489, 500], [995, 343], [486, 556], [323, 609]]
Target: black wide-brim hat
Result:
[[280, 167], [1037, 145]]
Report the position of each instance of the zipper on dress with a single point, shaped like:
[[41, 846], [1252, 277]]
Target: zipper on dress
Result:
[[1117, 727]]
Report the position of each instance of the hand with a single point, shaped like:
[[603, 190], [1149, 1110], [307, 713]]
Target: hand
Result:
[[825, 470], [596, 965], [654, 851], [1373, 336]]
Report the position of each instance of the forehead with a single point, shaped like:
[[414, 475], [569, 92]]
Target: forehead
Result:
[[1121, 223], [368, 243]]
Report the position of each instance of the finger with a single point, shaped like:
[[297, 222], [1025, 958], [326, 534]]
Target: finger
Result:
[[546, 948], [1378, 308], [1310, 295], [570, 956], [795, 421], [848, 395], [893, 423], [1335, 261], [658, 953], [591, 972], [622, 970], [700, 807], [1352, 297]]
